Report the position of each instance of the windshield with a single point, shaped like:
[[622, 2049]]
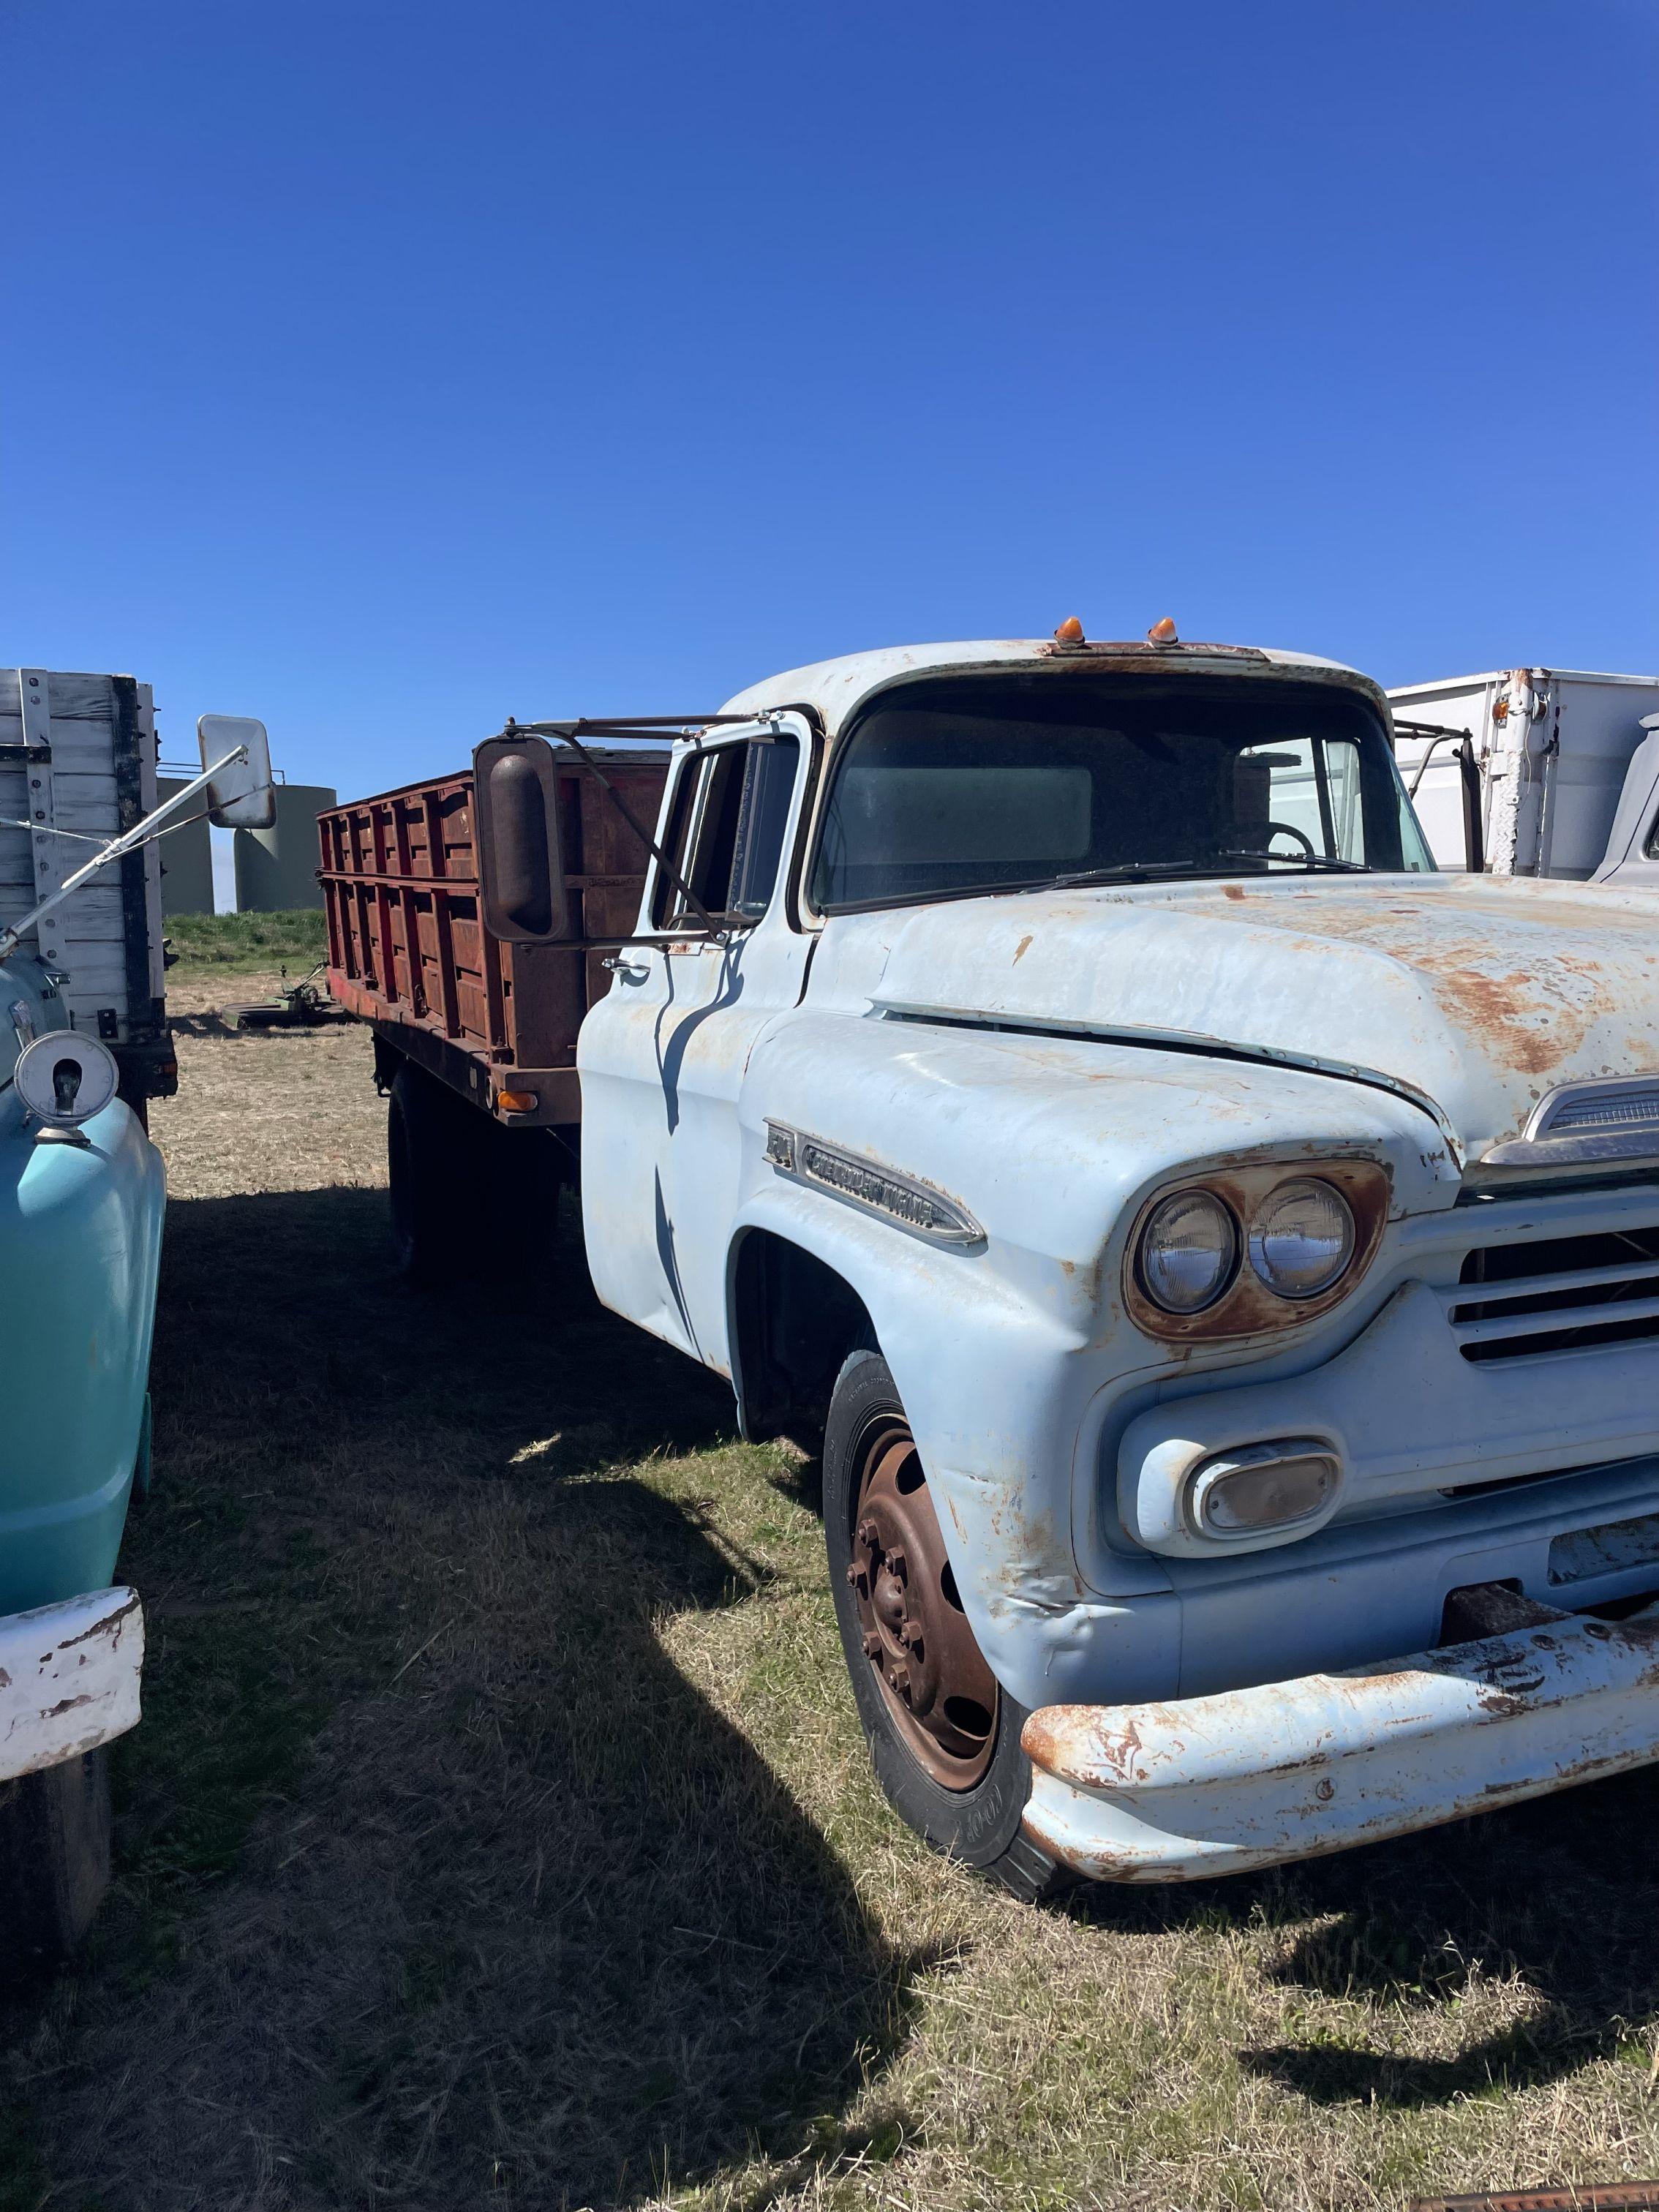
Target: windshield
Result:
[[1011, 782]]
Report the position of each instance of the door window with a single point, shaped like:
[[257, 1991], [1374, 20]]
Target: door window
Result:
[[726, 830]]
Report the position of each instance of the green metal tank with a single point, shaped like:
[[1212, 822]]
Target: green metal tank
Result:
[[277, 868], [186, 859]]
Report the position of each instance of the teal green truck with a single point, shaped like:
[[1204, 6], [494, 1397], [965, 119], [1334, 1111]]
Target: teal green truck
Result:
[[83, 1048]]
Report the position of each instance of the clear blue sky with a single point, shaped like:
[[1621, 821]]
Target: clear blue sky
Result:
[[384, 370]]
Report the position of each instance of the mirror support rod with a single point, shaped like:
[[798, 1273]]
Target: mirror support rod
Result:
[[128, 841], [1437, 734], [564, 731]]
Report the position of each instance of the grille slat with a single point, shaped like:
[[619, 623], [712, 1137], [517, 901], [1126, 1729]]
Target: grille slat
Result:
[[1559, 1294], [1542, 1324], [1541, 1287]]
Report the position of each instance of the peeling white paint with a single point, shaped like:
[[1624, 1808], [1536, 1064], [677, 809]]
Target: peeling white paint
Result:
[[69, 1678]]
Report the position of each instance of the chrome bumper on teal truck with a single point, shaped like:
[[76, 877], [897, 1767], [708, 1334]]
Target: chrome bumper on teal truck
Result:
[[1195, 1787]]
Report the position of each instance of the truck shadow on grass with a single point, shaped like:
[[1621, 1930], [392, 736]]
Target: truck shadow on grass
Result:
[[438, 1882], [1560, 1894]]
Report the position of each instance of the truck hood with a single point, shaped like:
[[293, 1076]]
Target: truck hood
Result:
[[1477, 994]]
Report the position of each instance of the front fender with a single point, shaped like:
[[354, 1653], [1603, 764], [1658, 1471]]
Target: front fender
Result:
[[1010, 1354], [80, 1251], [997, 1391]]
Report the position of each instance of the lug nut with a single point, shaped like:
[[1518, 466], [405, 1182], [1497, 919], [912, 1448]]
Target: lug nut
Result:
[[854, 1574], [869, 1534], [896, 1562], [871, 1645], [909, 1634], [900, 1678]]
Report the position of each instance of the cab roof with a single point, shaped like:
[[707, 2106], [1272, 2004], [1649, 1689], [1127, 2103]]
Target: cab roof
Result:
[[833, 689]]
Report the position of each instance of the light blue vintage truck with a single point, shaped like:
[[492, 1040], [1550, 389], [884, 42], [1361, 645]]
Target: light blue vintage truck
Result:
[[83, 1046], [1218, 1252]]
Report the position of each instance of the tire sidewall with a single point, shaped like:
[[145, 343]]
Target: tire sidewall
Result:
[[401, 1178], [54, 1859], [435, 1150], [976, 1825]]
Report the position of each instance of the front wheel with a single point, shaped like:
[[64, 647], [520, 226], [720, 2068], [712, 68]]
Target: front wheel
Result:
[[54, 1859], [943, 1735]]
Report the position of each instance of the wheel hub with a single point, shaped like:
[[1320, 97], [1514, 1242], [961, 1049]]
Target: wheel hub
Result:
[[915, 1635]]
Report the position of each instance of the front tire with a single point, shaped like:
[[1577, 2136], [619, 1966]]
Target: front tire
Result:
[[944, 1736], [54, 1859]]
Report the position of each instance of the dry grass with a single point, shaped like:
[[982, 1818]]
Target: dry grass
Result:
[[499, 1832]]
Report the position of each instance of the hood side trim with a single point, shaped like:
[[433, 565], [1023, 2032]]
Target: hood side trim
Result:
[[1187, 1041]]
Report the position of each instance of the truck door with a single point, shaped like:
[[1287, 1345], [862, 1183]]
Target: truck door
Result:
[[663, 1054]]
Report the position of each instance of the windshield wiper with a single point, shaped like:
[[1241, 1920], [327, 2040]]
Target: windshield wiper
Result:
[[1298, 860], [1212, 864], [1127, 871]]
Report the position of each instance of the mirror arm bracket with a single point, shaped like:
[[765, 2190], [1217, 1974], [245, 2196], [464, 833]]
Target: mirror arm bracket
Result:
[[563, 731], [153, 825]]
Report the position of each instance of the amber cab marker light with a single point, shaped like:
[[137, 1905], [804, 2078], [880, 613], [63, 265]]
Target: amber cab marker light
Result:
[[516, 1102], [1164, 633], [1070, 632]]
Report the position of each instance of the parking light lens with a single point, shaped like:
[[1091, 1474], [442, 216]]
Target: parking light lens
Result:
[[1263, 1489], [1188, 1252], [1301, 1238]]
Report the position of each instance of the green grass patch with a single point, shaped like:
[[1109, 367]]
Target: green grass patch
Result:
[[245, 943]]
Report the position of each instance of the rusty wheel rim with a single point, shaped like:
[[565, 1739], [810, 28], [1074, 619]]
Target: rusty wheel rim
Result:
[[931, 1672]]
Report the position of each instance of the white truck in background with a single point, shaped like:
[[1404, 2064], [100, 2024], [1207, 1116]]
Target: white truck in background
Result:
[[1542, 782]]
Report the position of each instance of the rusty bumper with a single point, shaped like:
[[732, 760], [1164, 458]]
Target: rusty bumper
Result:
[[1205, 1786], [69, 1678]]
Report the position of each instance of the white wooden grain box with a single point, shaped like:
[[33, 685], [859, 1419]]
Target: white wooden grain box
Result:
[[77, 752]]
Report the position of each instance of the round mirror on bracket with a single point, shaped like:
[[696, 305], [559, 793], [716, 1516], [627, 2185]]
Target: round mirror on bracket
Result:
[[64, 1079]]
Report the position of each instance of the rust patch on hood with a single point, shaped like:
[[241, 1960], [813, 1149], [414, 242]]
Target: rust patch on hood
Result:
[[1472, 994], [1504, 1009]]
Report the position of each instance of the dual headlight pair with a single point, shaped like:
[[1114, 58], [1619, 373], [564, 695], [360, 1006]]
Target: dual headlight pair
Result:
[[1298, 1241]]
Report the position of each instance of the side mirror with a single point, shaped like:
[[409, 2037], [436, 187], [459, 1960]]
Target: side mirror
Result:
[[516, 827], [242, 796]]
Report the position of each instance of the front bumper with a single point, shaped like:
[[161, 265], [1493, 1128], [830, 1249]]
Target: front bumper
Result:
[[69, 1678], [1200, 1787]]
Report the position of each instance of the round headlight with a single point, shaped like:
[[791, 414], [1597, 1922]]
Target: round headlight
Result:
[[1189, 1250], [1301, 1238]]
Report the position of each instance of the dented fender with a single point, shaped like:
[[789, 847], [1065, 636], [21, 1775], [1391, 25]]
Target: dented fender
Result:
[[1009, 1350]]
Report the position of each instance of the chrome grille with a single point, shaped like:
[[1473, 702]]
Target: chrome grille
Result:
[[1560, 1294], [1637, 1111]]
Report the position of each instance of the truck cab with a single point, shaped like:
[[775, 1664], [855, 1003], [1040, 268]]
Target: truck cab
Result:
[[1216, 1252]]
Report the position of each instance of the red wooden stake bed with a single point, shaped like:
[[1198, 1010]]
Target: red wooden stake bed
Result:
[[406, 951]]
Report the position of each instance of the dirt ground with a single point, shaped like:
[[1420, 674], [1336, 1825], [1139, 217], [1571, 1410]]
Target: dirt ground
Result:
[[499, 1833]]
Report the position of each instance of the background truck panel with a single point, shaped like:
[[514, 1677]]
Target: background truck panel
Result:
[[1553, 746], [77, 753]]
